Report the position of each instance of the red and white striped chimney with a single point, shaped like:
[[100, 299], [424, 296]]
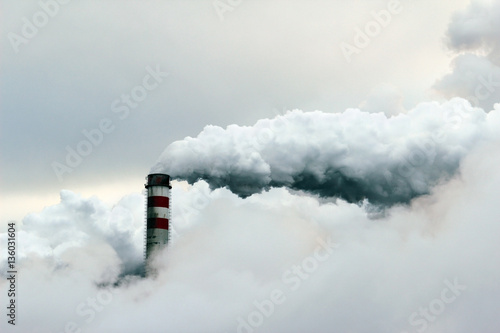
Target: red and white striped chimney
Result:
[[157, 212]]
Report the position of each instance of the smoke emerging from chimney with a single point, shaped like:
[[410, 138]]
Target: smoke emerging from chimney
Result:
[[352, 155], [228, 254]]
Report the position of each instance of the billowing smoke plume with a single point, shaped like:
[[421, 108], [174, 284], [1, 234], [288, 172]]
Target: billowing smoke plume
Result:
[[353, 155], [78, 223], [429, 267]]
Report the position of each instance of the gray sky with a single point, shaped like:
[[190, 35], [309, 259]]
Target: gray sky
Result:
[[260, 59]]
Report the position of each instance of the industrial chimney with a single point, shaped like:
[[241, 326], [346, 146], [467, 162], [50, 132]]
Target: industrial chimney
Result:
[[157, 212]]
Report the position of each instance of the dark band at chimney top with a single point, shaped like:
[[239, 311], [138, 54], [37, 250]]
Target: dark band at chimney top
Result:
[[158, 179]]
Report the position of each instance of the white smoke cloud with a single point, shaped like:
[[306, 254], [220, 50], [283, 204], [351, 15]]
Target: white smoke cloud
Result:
[[354, 155], [78, 223], [229, 255]]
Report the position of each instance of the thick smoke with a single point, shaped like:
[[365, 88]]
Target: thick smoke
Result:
[[230, 254], [353, 155], [79, 223]]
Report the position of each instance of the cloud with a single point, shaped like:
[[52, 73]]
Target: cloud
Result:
[[78, 223], [475, 74], [353, 155], [228, 255], [478, 27], [475, 78]]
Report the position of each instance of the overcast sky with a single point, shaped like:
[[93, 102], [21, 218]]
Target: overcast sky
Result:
[[368, 124], [224, 67]]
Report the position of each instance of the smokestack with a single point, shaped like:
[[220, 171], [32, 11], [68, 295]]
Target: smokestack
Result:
[[157, 212]]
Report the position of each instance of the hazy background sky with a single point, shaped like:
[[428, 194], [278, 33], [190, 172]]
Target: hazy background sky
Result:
[[263, 58]]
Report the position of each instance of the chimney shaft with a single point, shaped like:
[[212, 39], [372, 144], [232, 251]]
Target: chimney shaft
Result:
[[157, 212]]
